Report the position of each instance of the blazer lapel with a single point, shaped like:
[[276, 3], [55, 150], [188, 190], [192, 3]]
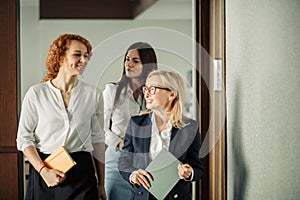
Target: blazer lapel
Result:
[[180, 142], [147, 134], [174, 140]]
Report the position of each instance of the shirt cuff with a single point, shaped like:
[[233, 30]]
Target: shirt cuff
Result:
[[112, 139], [130, 179], [191, 176]]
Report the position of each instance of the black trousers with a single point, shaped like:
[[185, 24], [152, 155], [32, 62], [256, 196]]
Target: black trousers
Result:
[[80, 182]]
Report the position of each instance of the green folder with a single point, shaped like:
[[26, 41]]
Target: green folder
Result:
[[163, 169]]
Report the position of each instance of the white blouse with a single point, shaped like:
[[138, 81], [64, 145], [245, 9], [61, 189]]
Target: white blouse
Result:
[[120, 114], [159, 140], [46, 124]]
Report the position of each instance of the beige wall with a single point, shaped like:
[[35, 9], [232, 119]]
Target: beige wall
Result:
[[263, 69]]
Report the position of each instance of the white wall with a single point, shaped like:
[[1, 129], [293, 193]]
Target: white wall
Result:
[[169, 35], [263, 70]]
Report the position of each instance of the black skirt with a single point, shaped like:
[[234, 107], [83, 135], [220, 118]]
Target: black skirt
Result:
[[80, 182]]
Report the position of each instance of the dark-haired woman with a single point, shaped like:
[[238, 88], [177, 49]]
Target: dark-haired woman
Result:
[[121, 101]]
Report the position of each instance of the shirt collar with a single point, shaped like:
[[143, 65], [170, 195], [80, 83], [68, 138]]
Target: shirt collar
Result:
[[57, 90], [129, 92]]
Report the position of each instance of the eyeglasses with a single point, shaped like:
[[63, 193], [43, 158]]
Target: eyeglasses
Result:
[[152, 89]]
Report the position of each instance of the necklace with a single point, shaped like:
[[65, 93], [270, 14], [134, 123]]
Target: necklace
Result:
[[69, 91]]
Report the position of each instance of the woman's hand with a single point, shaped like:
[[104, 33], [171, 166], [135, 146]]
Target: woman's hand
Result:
[[101, 192], [184, 171], [52, 176], [141, 177], [121, 145]]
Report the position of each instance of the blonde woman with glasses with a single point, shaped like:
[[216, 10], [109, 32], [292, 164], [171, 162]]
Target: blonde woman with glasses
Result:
[[164, 127]]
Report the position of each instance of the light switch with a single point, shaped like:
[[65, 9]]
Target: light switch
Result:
[[218, 75]]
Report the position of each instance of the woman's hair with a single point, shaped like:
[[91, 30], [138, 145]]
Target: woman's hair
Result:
[[149, 61], [173, 81], [57, 51]]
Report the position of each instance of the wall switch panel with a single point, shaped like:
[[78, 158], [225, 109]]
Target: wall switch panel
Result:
[[218, 75]]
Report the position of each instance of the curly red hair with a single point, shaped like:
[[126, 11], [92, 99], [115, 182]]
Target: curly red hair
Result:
[[57, 51]]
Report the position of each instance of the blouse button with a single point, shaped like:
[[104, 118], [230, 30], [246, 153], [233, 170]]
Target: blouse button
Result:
[[175, 196], [140, 193]]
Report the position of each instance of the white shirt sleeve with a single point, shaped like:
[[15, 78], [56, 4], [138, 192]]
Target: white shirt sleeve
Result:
[[28, 121], [98, 135], [111, 139]]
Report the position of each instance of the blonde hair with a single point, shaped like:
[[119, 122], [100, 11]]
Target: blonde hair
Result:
[[173, 81]]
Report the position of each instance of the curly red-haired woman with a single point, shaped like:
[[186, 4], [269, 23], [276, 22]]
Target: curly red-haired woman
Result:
[[63, 111]]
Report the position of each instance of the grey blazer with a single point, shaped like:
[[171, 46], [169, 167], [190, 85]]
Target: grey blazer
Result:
[[184, 145]]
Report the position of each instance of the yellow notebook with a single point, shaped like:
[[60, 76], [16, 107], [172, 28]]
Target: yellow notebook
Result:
[[60, 160]]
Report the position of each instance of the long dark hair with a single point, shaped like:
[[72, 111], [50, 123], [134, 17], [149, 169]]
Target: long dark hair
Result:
[[149, 61]]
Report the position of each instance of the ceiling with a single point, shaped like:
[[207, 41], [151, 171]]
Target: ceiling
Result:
[[168, 10], [159, 10]]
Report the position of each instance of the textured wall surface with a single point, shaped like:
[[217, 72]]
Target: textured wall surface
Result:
[[263, 70]]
